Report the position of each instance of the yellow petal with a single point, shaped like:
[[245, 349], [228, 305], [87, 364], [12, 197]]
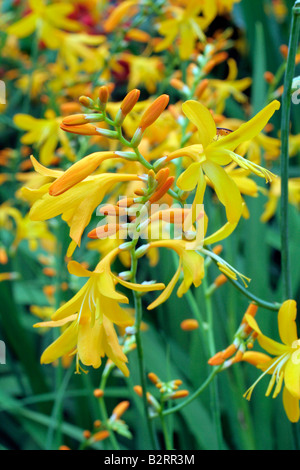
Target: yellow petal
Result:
[[247, 131], [203, 120], [291, 406], [63, 345], [78, 270], [271, 346], [147, 287], [168, 290], [188, 180], [226, 190], [286, 322], [51, 324], [89, 343], [292, 377]]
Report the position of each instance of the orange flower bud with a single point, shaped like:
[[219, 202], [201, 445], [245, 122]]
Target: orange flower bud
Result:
[[179, 394], [78, 172], [120, 409], [3, 256], [103, 95], [216, 360], [64, 448], [220, 280], [137, 35], [100, 436], [50, 272], [153, 378], [189, 325], [269, 77], [125, 8], [284, 50], [177, 84], [130, 101], [201, 88], [74, 120], [153, 112], [104, 231], [98, 393], [138, 390], [163, 190], [218, 249], [84, 129], [86, 434], [125, 202], [97, 423]]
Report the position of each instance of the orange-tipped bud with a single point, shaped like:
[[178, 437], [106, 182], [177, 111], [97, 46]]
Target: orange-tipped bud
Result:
[[97, 423], [86, 434], [130, 101], [269, 77], [3, 256], [179, 394], [98, 393], [189, 325], [153, 112], [74, 120], [84, 129], [138, 390], [177, 382], [137, 35], [125, 202], [110, 209], [220, 280], [217, 59], [86, 101], [49, 290], [163, 190], [69, 108], [64, 286], [153, 378], [104, 231], [284, 50], [64, 448], [161, 176], [238, 357], [218, 249], [228, 352], [201, 88], [103, 95], [100, 436], [120, 409], [78, 172], [216, 360], [177, 84], [139, 192], [126, 8], [50, 272]]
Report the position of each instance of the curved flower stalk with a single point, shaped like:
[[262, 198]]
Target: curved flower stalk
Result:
[[285, 366], [91, 314]]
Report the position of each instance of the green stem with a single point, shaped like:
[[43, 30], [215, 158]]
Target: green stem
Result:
[[140, 352], [285, 130], [103, 410], [195, 395], [168, 443]]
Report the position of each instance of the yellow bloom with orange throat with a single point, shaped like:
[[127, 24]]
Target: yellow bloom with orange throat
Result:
[[91, 315], [284, 367]]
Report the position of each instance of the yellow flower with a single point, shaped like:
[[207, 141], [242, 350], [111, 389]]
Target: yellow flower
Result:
[[212, 152], [91, 314], [45, 134], [230, 86], [285, 366], [274, 196], [147, 71], [45, 20], [75, 205], [187, 25]]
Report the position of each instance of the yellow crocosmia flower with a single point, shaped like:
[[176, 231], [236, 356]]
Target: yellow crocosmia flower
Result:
[[146, 71], [191, 264], [225, 6], [211, 153], [229, 87], [186, 24], [45, 134], [274, 195], [45, 20], [91, 314], [35, 232], [77, 204], [285, 366]]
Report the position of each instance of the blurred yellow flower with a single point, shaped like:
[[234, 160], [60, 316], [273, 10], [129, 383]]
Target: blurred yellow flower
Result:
[[285, 366]]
